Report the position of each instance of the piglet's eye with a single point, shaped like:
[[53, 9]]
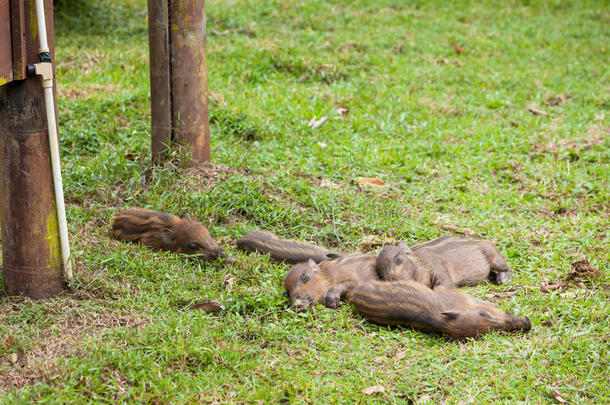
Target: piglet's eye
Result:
[[192, 246], [304, 278], [398, 259]]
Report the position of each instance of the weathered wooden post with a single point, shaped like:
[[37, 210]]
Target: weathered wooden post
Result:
[[31, 256], [178, 77]]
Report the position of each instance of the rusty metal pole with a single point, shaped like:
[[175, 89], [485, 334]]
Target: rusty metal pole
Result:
[[31, 256], [179, 86]]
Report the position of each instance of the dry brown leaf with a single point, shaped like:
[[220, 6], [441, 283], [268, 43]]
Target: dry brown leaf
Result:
[[556, 100], [9, 340], [13, 357], [558, 397], [548, 287], [228, 282], [535, 110], [208, 306], [451, 228], [424, 399], [467, 231], [374, 241], [400, 355], [441, 61], [459, 49], [373, 389], [317, 123], [342, 111], [220, 33], [329, 184], [370, 181]]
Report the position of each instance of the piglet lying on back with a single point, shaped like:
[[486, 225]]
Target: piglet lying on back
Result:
[[158, 230]]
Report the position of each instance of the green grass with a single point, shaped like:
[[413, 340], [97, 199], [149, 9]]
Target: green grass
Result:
[[449, 134]]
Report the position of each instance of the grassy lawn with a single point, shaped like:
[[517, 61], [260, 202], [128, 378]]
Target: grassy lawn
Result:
[[491, 118]]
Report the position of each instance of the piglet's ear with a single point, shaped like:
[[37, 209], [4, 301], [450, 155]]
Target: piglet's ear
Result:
[[403, 245], [450, 315], [313, 265], [168, 236], [184, 216]]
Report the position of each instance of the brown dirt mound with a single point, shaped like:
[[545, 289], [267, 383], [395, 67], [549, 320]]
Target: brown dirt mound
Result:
[[582, 271]]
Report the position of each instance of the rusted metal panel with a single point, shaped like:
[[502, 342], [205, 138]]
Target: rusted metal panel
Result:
[[189, 82], [160, 91], [18, 34], [31, 257], [6, 49]]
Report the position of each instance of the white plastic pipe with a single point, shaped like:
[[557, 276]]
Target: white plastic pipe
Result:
[[45, 69], [42, 27]]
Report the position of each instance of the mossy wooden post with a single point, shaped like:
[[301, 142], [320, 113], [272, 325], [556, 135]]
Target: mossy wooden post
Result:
[[178, 77], [31, 257]]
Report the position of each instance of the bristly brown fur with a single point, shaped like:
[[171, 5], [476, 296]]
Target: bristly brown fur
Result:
[[308, 284], [443, 262], [290, 251], [158, 230], [445, 310]]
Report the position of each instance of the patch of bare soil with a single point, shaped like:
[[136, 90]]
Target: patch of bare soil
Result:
[[207, 175], [72, 323]]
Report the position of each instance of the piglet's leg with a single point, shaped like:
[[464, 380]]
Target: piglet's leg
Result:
[[333, 297]]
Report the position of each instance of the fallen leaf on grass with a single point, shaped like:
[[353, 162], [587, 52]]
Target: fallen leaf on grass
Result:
[[547, 324], [228, 283], [329, 184], [9, 340], [370, 181], [220, 33], [424, 399], [400, 356], [208, 306], [549, 287], [459, 49], [13, 357], [317, 123], [373, 389], [535, 111], [441, 61], [374, 241], [558, 397], [342, 111], [556, 100], [453, 228]]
